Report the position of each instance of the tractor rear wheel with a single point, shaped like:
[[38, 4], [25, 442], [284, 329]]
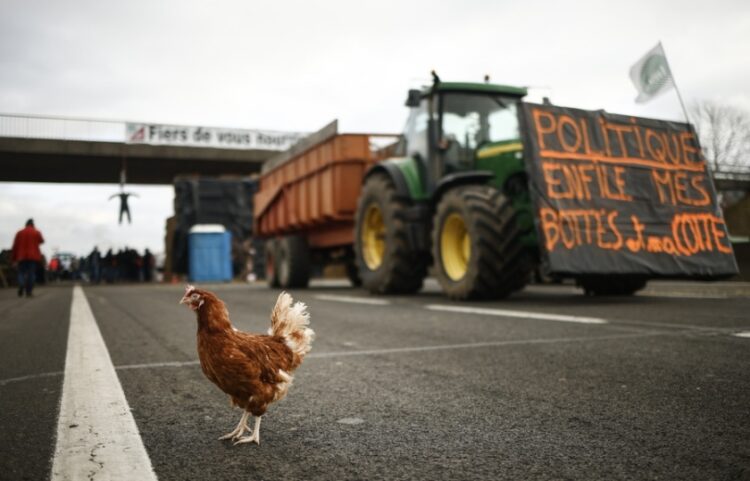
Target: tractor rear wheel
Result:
[[611, 285], [476, 245], [385, 260], [293, 262], [352, 273]]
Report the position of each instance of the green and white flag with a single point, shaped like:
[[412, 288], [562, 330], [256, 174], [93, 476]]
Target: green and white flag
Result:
[[651, 75]]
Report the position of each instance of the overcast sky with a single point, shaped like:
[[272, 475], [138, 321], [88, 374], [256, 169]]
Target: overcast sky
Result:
[[295, 66]]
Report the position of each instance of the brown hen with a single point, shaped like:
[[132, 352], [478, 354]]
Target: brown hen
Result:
[[253, 369]]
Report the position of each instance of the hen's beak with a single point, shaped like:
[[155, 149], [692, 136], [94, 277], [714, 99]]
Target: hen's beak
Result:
[[185, 299]]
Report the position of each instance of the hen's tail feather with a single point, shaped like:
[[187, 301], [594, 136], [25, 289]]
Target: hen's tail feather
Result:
[[290, 322]]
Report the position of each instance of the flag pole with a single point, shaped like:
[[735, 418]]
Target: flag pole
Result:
[[709, 170], [674, 82]]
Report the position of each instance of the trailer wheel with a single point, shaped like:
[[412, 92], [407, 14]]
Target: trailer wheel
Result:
[[272, 270], [385, 261], [476, 245], [611, 285], [293, 262]]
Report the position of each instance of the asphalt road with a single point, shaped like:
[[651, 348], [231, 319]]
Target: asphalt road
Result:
[[650, 387]]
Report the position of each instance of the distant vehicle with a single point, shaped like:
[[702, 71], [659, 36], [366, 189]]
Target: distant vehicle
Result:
[[61, 265]]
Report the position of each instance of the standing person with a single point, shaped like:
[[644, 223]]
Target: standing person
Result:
[[26, 255], [109, 260], [148, 265], [95, 261], [137, 267], [54, 268]]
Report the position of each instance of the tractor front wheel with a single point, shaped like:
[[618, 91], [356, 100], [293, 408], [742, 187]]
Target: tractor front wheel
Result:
[[476, 245]]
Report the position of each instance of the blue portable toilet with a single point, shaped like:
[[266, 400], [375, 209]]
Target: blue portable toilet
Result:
[[210, 253]]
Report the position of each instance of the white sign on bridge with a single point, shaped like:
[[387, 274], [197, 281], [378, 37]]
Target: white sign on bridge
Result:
[[180, 135]]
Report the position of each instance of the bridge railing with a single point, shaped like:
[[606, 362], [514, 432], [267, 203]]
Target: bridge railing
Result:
[[736, 168], [61, 128]]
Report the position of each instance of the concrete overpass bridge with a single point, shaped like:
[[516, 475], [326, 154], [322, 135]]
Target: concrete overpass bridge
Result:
[[59, 149]]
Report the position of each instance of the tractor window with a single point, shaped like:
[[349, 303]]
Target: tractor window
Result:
[[415, 132], [472, 120], [504, 124]]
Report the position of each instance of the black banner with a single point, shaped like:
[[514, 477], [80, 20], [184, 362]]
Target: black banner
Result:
[[615, 194]]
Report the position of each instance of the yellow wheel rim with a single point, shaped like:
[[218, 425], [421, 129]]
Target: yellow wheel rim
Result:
[[455, 247], [373, 237]]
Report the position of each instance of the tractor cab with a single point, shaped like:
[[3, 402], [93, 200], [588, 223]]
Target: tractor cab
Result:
[[462, 127]]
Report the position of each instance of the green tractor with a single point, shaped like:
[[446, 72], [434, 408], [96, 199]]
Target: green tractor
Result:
[[455, 198]]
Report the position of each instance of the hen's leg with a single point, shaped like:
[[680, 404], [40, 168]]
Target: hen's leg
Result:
[[240, 429], [255, 438]]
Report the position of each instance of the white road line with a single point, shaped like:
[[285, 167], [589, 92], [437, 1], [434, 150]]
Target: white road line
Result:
[[517, 314], [684, 295], [158, 364], [519, 342], [97, 437], [438, 347], [742, 334], [353, 300], [3, 382]]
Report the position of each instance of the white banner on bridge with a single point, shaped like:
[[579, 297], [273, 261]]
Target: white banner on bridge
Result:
[[180, 135]]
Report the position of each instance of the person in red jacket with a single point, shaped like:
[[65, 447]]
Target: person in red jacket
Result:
[[26, 256]]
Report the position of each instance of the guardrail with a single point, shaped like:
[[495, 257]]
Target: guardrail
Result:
[[61, 128], [733, 180], [93, 130]]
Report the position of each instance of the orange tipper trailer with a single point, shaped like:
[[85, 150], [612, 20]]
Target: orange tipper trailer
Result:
[[307, 199]]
